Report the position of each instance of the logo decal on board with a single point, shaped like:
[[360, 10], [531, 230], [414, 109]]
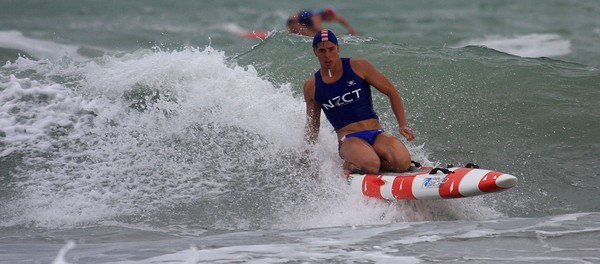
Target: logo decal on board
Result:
[[434, 182]]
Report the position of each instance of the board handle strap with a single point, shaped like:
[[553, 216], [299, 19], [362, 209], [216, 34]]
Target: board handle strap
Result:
[[445, 171]]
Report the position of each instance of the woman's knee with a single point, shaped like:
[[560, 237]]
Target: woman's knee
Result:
[[403, 164]]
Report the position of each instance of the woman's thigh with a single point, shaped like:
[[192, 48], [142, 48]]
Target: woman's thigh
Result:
[[392, 151], [360, 154]]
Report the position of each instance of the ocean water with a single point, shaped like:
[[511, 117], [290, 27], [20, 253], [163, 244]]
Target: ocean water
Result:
[[151, 132]]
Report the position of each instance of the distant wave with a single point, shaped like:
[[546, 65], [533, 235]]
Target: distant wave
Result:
[[531, 45], [39, 49]]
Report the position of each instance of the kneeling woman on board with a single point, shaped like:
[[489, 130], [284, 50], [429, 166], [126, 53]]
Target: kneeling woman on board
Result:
[[342, 89]]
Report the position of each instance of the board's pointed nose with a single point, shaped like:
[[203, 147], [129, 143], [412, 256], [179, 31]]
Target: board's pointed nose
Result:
[[506, 181]]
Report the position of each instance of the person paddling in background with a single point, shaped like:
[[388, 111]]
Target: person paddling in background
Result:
[[342, 89], [308, 22]]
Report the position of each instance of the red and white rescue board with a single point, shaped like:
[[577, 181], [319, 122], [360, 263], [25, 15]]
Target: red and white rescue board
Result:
[[419, 184]]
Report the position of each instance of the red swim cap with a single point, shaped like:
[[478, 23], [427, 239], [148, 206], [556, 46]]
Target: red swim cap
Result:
[[330, 11]]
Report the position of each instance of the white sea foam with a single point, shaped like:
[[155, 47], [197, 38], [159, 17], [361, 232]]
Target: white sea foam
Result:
[[60, 258], [499, 240], [106, 159], [530, 45]]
